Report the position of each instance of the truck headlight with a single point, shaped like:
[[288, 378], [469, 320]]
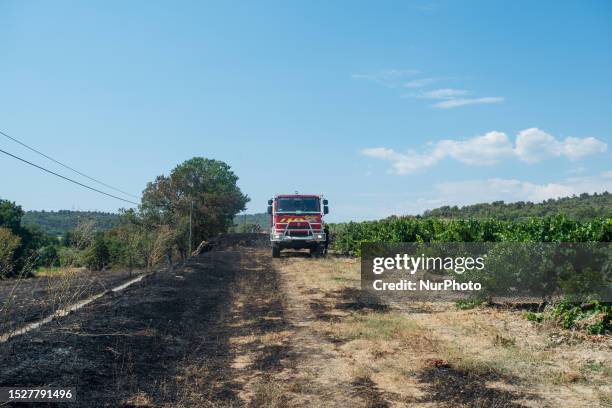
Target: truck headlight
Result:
[[320, 236], [277, 236]]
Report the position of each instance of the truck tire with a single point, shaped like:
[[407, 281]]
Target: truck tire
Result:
[[275, 251], [317, 251]]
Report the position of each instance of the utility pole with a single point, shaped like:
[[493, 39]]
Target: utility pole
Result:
[[190, 226]]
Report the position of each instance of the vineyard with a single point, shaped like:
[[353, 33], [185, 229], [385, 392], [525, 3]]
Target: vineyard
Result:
[[349, 236], [579, 283]]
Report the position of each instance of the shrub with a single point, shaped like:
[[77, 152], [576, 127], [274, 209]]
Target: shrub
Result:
[[97, 256], [70, 257], [48, 256], [593, 317], [9, 243], [470, 303], [533, 317]]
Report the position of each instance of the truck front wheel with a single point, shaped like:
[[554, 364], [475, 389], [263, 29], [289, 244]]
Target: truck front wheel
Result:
[[317, 251], [275, 251]]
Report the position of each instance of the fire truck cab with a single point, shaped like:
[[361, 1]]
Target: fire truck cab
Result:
[[296, 221]]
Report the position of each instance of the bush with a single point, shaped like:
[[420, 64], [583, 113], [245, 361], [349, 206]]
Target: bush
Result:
[[593, 317], [466, 304], [97, 256], [48, 256], [9, 243], [533, 317], [70, 257]]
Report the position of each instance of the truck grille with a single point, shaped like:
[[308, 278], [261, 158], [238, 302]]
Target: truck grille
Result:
[[295, 226], [298, 233]]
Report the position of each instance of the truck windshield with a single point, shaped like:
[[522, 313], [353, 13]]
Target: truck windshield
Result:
[[297, 204]]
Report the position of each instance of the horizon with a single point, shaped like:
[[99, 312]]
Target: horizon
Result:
[[440, 104], [398, 215]]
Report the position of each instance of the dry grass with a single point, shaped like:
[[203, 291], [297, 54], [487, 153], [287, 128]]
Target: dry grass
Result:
[[386, 327], [269, 394], [57, 271], [322, 274], [391, 347]]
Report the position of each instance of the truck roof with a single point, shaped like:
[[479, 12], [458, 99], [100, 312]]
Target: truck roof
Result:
[[297, 196]]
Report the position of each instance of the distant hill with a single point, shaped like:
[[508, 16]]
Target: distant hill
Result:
[[583, 207], [58, 222], [261, 219]]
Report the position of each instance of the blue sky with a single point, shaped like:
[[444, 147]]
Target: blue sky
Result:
[[385, 107]]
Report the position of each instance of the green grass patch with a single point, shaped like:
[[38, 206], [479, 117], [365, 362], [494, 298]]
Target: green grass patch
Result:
[[593, 317], [471, 303], [379, 326]]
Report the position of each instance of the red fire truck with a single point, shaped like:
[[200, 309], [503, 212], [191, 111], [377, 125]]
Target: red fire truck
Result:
[[296, 221]]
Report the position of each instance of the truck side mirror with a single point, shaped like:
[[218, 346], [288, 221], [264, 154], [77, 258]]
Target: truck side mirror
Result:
[[270, 202], [270, 209], [325, 209], [325, 202]]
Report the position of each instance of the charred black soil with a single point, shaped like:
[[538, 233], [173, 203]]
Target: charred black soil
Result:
[[28, 299], [163, 341], [450, 387]]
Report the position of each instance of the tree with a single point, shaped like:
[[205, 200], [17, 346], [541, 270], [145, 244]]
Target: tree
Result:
[[130, 233], [9, 243], [203, 188], [10, 218], [97, 256], [10, 215]]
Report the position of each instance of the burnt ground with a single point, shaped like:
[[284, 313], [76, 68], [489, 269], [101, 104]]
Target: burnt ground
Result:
[[453, 387], [28, 299], [231, 328], [162, 341]]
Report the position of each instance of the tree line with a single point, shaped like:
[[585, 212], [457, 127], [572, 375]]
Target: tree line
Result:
[[62, 222], [582, 208], [197, 200], [57, 223]]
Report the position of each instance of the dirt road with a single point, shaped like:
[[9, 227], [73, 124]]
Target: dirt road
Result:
[[236, 328]]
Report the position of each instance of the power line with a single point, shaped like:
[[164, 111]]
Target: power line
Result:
[[68, 179], [66, 166]]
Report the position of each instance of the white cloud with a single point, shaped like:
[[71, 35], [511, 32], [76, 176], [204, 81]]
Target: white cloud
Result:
[[419, 83], [458, 102], [449, 98], [575, 148], [425, 6], [444, 93], [532, 145], [486, 149], [404, 163], [388, 77]]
